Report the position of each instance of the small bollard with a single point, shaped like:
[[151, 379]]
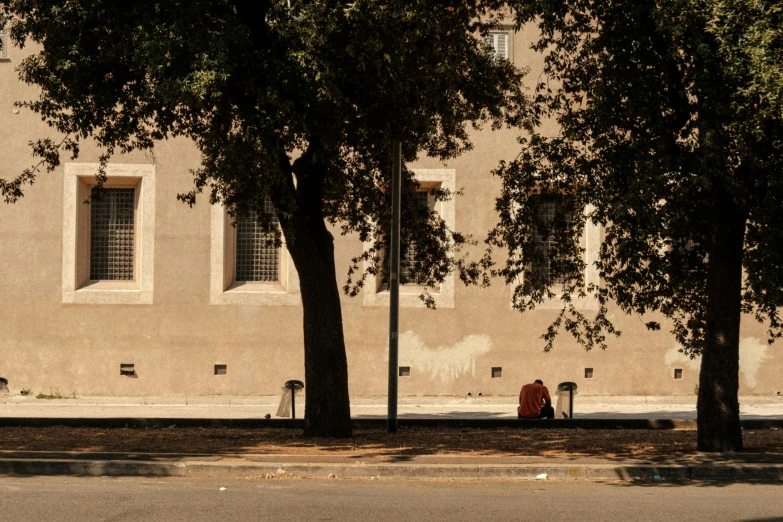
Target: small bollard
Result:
[[565, 400], [293, 385]]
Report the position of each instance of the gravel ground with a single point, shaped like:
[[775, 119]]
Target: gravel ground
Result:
[[374, 442]]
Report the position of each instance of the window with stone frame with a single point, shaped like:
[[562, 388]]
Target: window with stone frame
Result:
[[112, 234], [376, 289], [257, 251], [551, 207], [108, 247]]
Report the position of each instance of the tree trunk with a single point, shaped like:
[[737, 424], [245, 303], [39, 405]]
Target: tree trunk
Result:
[[311, 245], [327, 410], [718, 406]]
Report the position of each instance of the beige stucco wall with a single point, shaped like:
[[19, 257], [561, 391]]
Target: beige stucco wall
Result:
[[175, 338]]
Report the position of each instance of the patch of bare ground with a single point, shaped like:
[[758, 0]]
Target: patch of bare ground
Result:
[[375, 442]]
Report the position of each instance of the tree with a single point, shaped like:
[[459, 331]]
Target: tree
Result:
[[295, 101], [670, 120]]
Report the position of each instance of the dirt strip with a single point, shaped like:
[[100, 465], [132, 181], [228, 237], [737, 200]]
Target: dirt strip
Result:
[[373, 442]]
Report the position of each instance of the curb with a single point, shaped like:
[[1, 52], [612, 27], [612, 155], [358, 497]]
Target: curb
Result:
[[283, 469], [373, 423]]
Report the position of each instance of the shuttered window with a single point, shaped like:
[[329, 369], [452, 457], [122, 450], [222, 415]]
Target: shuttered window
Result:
[[3, 42], [499, 44], [258, 258]]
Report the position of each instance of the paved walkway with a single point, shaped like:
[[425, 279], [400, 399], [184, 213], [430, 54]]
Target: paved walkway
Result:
[[496, 407]]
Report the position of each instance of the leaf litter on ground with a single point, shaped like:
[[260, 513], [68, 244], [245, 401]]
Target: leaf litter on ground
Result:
[[626, 443]]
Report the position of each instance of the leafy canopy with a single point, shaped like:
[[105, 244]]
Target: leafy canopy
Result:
[[267, 89], [662, 108]]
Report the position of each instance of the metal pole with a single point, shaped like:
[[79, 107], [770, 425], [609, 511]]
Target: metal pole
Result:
[[394, 280], [571, 401], [293, 401], [394, 287]]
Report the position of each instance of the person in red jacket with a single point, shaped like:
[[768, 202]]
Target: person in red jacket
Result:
[[534, 402]]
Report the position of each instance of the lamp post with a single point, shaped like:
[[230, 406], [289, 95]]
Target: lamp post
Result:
[[394, 287], [394, 281]]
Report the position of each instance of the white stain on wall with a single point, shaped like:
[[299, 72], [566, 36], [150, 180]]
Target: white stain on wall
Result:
[[446, 363], [675, 358], [752, 354]]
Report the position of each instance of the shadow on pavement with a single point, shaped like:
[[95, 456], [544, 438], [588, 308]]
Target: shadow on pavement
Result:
[[713, 483], [762, 446], [638, 454]]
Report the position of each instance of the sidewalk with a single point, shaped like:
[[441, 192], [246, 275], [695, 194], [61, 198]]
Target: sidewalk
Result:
[[495, 407], [613, 412]]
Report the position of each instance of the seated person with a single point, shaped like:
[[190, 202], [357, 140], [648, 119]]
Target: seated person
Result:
[[534, 402]]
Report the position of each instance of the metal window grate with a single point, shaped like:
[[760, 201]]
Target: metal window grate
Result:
[[258, 258], [112, 234], [408, 262], [540, 268]]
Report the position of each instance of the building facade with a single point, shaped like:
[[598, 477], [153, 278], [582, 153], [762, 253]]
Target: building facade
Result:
[[136, 294]]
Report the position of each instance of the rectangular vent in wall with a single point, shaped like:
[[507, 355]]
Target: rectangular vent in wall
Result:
[[221, 369], [405, 371], [497, 372], [588, 373], [128, 370], [678, 373]]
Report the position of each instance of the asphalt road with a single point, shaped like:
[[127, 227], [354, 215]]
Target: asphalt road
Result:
[[121, 499]]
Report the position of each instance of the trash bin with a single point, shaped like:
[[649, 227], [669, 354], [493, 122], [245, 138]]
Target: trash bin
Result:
[[565, 400], [288, 400]]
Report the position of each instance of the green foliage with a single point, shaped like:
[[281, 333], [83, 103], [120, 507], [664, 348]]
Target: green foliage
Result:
[[52, 395], [271, 94], [667, 110]]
